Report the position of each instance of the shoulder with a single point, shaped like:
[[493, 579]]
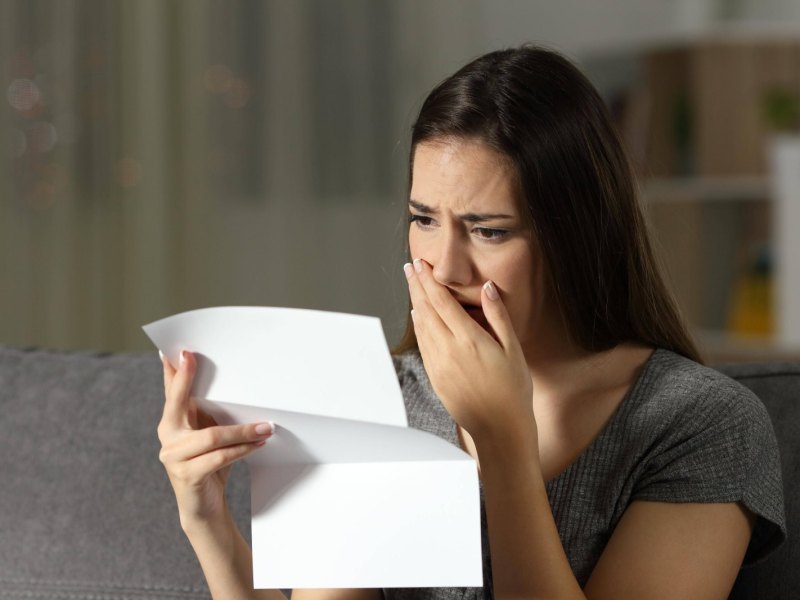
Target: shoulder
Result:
[[679, 395], [680, 407], [706, 438]]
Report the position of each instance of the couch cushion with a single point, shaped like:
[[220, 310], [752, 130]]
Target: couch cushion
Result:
[[86, 507], [778, 387]]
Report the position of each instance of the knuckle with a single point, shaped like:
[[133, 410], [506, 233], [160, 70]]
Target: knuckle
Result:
[[180, 472], [166, 434], [471, 346], [212, 436], [219, 459]]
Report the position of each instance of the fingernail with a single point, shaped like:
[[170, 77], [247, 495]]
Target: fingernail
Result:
[[408, 270], [418, 265], [264, 428], [412, 315], [183, 357], [161, 355], [491, 291]]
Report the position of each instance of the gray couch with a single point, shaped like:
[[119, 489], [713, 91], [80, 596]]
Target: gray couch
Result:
[[88, 512]]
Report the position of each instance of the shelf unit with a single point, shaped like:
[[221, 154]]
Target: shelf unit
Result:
[[720, 346], [698, 221], [702, 147], [753, 188]]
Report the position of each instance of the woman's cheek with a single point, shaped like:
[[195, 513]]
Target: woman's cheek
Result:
[[520, 320]]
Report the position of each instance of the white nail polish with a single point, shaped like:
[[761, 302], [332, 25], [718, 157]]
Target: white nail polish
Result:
[[260, 430]]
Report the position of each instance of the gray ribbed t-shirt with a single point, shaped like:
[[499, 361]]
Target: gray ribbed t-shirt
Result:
[[683, 433]]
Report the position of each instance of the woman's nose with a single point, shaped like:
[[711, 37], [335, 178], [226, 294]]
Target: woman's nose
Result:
[[452, 266]]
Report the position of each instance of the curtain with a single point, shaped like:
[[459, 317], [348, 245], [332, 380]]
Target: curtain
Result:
[[170, 155]]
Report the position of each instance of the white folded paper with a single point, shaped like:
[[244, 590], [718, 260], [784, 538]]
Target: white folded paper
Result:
[[344, 494]]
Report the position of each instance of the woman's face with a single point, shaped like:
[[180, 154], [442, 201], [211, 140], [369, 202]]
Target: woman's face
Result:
[[465, 222]]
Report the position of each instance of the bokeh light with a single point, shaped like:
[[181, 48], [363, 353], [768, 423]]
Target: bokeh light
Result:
[[17, 143], [23, 94], [55, 174], [68, 127], [42, 136], [44, 84], [237, 94], [217, 79]]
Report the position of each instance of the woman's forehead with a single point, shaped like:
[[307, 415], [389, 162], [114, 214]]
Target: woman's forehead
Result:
[[462, 175]]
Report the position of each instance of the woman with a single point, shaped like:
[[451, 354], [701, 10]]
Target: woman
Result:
[[612, 463]]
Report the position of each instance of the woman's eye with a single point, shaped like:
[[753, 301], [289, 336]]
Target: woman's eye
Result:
[[420, 220], [490, 234], [484, 233]]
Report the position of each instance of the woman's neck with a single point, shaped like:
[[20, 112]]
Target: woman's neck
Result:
[[562, 372]]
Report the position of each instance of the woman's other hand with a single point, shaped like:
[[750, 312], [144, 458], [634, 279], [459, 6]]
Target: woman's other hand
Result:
[[196, 452], [480, 376]]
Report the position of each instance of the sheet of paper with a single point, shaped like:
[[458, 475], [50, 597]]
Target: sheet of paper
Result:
[[344, 494], [378, 525], [310, 361]]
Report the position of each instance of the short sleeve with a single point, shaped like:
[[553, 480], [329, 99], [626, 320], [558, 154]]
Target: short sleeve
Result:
[[721, 447]]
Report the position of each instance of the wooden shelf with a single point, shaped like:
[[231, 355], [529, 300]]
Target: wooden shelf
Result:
[[721, 346], [741, 31], [706, 189]]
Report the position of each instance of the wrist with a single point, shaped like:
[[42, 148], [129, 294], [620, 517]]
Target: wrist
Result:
[[512, 444], [220, 523]]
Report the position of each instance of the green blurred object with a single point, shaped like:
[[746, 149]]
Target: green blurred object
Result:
[[782, 109]]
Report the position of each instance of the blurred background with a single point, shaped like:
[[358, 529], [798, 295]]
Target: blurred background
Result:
[[166, 155]]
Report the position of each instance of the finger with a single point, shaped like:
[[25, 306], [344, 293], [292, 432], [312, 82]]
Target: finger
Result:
[[426, 320], [169, 371], [448, 308], [422, 340], [176, 406], [497, 316], [211, 462], [203, 441]]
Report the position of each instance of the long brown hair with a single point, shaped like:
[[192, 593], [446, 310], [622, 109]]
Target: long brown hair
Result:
[[536, 108]]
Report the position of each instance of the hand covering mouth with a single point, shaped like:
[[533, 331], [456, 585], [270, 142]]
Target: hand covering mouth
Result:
[[475, 311]]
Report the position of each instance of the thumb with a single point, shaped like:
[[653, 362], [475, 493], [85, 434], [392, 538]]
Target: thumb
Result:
[[497, 315]]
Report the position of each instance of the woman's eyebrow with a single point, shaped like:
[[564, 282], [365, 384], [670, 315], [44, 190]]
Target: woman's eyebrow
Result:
[[469, 217]]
